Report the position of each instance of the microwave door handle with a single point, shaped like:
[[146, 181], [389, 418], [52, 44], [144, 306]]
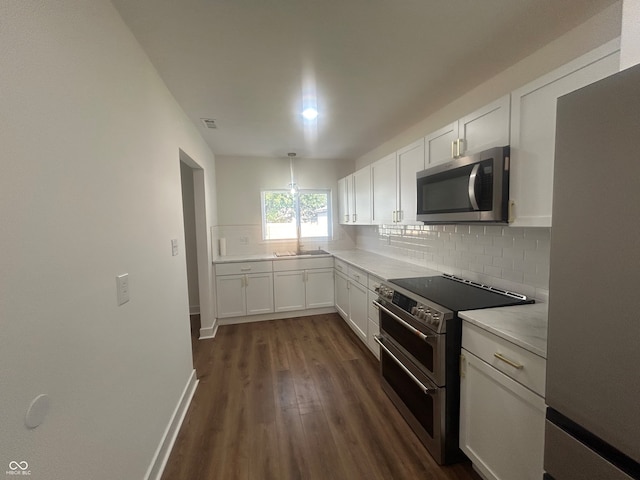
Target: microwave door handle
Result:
[[472, 187]]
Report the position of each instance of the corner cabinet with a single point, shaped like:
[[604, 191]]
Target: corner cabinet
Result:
[[244, 288], [533, 129], [354, 198], [502, 409]]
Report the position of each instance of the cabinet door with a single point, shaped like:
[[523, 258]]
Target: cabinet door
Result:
[[259, 293], [289, 290], [358, 309], [410, 162], [533, 129], [362, 196], [384, 185], [501, 423], [319, 288], [438, 145], [487, 127], [343, 201], [230, 293], [342, 294]]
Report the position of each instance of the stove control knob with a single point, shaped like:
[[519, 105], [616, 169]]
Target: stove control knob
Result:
[[435, 318], [414, 310]]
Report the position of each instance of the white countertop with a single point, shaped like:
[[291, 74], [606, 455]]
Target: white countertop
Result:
[[263, 256], [523, 325], [384, 267]]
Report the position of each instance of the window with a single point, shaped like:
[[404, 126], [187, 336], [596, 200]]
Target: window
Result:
[[283, 213]]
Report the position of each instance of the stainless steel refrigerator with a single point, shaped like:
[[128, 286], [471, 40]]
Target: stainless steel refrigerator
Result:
[[592, 430]]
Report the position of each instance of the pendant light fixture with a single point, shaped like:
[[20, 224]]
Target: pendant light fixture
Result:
[[292, 185]]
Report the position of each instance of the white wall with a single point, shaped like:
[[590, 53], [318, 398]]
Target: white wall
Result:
[[239, 183], [90, 188], [591, 34]]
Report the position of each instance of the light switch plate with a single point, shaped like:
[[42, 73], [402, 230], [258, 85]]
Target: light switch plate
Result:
[[122, 283], [174, 247]]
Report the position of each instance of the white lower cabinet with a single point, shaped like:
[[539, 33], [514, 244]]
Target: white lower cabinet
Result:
[[319, 288], [301, 284], [358, 309], [289, 291], [501, 420], [244, 294], [342, 294]]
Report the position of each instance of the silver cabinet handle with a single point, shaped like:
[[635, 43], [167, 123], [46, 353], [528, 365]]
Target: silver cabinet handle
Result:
[[517, 365], [426, 390], [473, 198], [408, 326], [354, 217], [245, 269], [460, 147], [453, 148], [346, 218]]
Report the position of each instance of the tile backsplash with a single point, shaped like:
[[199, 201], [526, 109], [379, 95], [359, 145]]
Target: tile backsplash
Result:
[[515, 259], [247, 240]]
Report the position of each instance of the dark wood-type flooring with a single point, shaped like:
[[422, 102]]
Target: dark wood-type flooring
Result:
[[297, 398]]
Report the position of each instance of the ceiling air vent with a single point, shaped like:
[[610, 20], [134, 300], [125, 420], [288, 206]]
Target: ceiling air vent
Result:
[[209, 122]]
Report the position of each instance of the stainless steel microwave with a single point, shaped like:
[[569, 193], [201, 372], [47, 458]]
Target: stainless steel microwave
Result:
[[466, 190]]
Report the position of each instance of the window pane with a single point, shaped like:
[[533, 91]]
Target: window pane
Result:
[[314, 214], [279, 215]]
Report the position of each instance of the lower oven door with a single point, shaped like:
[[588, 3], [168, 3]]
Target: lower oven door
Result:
[[419, 400], [419, 343]]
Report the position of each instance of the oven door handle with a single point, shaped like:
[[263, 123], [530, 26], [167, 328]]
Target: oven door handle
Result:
[[426, 390], [407, 325]]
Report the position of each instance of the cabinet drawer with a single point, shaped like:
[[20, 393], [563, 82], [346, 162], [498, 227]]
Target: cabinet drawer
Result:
[[358, 275], [302, 264], [243, 267], [340, 266], [488, 347], [374, 282]]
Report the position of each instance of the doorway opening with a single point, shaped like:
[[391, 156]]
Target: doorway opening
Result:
[[195, 244]]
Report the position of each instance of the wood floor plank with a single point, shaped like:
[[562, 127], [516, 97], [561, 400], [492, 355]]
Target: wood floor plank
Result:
[[295, 399]]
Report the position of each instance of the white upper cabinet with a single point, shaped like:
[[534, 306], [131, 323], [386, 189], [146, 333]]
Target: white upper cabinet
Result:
[[361, 197], [439, 144], [485, 128], [354, 198], [344, 191], [384, 179], [410, 162], [533, 126]]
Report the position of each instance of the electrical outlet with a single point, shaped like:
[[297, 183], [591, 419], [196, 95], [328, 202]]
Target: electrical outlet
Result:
[[122, 284], [244, 240], [174, 247]]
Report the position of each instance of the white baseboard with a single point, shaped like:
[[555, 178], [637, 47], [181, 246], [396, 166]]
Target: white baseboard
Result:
[[275, 316], [159, 462], [208, 332]]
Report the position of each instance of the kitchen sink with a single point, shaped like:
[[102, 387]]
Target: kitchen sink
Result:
[[301, 253]]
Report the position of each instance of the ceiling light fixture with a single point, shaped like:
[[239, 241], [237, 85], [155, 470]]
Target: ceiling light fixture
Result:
[[310, 113]]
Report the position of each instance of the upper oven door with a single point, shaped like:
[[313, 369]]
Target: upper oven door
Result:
[[425, 348], [468, 189]]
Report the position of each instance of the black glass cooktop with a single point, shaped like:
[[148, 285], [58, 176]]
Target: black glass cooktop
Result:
[[455, 295]]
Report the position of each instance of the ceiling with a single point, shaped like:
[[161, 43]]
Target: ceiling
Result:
[[372, 67]]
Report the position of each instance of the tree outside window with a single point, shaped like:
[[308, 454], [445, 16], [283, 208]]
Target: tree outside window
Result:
[[280, 214]]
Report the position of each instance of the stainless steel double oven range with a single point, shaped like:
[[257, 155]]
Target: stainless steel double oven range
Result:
[[420, 337]]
